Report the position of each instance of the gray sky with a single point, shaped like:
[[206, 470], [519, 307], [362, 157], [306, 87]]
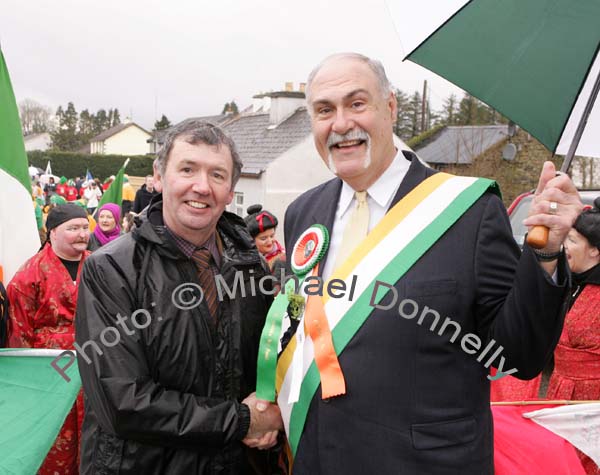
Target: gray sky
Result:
[[187, 58]]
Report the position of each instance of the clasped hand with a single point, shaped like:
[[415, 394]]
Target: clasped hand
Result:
[[265, 423]]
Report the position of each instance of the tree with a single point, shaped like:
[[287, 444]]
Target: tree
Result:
[[162, 124], [66, 137], [35, 117], [403, 126], [86, 125], [116, 118], [230, 108], [101, 121], [415, 112], [449, 111]]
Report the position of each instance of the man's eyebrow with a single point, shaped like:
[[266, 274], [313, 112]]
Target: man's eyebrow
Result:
[[350, 95]]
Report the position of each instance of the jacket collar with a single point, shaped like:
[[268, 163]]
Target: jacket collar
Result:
[[238, 245]]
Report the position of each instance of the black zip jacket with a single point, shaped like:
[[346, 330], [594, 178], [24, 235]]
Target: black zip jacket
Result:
[[164, 396]]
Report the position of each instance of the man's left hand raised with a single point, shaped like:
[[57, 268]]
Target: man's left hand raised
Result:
[[556, 205]]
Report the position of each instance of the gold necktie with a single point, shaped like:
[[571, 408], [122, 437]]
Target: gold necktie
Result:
[[356, 228]]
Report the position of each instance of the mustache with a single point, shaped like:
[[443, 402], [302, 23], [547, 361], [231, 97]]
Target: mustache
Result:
[[354, 134]]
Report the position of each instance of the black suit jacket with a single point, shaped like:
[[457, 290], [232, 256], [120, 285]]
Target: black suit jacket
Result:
[[416, 402]]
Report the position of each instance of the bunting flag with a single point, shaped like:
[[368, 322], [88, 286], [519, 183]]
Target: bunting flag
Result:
[[114, 194], [35, 399], [579, 424], [19, 239], [522, 447]]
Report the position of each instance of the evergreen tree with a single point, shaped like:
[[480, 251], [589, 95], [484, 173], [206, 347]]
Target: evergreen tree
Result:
[[415, 113], [403, 126], [101, 121], [230, 108], [162, 124], [116, 118], [86, 126], [66, 136], [449, 113]]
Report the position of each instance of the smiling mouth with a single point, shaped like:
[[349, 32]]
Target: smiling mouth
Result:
[[197, 204], [348, 144]]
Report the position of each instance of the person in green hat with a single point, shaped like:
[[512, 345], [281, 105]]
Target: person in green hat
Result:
[[61, 188]]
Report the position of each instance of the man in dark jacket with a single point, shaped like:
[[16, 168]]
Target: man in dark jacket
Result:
[[144, 195], [166, 352]]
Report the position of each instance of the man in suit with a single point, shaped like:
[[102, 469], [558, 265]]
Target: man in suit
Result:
[[416, 402]]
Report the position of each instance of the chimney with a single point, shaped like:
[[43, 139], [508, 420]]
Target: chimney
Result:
[[302, 87], [289, 86], [284, 104]]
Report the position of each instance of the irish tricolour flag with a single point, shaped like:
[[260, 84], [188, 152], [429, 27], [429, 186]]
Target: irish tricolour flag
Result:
[[19, 238]]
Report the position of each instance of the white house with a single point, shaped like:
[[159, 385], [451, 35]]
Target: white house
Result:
[[37, 142], [275, 142], [123, 139], [276, 145]]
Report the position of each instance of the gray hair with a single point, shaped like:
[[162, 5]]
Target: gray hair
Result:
[[375, 65], [195, 131]]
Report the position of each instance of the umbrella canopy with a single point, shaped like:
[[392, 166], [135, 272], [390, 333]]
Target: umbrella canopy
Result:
[[527, 59], [33, 171]]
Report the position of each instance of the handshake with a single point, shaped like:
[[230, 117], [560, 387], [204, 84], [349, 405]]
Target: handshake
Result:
[[265, 423]]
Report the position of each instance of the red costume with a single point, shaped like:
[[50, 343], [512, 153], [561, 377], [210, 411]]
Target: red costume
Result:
[[61, 190], [71, 193], [42, 299], [576, 374], [276, 254]]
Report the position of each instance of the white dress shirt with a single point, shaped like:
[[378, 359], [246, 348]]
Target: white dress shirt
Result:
[[379, 197]]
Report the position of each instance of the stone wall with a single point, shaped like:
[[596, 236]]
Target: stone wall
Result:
[[516, 176]]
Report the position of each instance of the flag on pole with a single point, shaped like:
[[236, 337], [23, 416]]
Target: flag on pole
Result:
[[48, 169], [35, 399], [114, 193], [88, 175], [19, 238]]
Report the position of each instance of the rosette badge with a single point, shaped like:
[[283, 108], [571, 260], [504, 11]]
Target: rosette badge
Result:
[[309, 249]]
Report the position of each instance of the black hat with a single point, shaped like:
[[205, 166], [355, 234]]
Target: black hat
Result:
[[588, 224], [258, 220], [63, 213]]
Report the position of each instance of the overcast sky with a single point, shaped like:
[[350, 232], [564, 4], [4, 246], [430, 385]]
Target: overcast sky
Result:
[[187, 58]]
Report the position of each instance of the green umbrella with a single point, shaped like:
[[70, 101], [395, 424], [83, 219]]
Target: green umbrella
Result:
[[527, 59]]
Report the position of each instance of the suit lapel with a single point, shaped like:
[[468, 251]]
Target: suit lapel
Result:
[[325, 213], [417, 172]]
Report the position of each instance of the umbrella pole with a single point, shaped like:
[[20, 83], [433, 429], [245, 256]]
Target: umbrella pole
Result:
[[581, 127], [538, 236]]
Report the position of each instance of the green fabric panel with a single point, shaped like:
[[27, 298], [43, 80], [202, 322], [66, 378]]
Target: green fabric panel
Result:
[[114, 193], [13, 158], [527, 59], [34, 402]]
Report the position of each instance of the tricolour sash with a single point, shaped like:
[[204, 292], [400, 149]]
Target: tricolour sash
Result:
[[405, 233]]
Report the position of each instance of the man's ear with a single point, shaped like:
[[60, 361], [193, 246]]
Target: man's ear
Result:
[[157, 177], [393, 105]]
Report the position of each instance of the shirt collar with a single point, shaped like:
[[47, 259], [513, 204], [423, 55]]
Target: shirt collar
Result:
[[384, 189], [188, 248]]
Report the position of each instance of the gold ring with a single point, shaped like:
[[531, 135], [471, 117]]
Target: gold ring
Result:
[[553, 207]]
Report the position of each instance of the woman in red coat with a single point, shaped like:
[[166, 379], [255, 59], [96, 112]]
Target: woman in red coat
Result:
[[576, 374], [43, 297]]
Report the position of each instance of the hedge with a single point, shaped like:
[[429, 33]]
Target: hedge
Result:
[[72, 164]]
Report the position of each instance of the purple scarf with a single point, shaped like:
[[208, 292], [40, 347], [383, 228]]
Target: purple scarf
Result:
[[114, 233]]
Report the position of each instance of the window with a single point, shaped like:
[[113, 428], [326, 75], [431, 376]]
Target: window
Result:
[[238, 204]]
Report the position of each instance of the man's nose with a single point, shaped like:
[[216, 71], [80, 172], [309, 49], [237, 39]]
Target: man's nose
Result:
[[201, 184], [342, 122]]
